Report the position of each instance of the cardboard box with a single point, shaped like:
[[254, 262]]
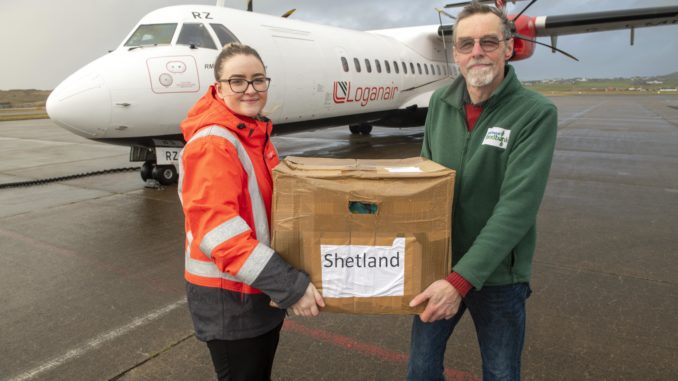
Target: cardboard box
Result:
[[371, 234]]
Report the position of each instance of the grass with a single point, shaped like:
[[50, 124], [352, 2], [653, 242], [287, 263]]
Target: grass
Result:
[[14, 117], [11, 114]]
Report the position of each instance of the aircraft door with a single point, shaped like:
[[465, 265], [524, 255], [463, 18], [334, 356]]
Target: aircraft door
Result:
[[299, 79]]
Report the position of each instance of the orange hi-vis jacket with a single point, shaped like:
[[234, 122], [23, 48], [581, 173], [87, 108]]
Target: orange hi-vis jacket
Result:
[[226, 188]]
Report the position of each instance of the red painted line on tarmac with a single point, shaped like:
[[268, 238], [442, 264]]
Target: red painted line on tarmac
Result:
[[366, 348]]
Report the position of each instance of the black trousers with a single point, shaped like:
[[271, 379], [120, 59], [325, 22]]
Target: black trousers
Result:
[[245, 359]]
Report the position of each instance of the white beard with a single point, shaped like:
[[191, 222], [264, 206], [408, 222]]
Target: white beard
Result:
[[479, 77]]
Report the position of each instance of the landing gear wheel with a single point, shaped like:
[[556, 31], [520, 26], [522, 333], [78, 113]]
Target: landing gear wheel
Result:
[[165, 174], [146, 171], [362, 128]]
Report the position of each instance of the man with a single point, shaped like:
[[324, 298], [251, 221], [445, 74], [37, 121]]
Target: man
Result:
[[500, 138]]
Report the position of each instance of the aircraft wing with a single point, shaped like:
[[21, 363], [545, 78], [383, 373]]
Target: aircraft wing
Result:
[[604, 21]]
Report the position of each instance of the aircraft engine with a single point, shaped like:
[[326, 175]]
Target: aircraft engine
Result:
[[524, 26]]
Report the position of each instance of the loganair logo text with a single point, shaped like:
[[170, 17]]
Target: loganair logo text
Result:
[[344, 93]]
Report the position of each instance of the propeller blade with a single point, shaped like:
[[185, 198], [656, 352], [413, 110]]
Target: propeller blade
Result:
[[441, 32], [457, 4], [440, 11], [425, 84], [524, 38], [289, 13], [249, 5], [498, 3], [524, 9]]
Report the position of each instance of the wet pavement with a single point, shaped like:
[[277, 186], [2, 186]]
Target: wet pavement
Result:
[[91, 283]]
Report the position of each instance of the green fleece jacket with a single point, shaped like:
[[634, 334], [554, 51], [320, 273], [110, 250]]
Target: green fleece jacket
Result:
[[502, 167]]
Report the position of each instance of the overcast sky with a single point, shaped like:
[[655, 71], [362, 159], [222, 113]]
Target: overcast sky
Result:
[[45, 41]]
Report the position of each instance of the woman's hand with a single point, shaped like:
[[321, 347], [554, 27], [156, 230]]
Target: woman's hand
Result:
[[309, 304]]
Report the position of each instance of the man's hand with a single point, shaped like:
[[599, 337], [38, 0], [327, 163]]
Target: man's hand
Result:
[[309, 303], [443, 301]]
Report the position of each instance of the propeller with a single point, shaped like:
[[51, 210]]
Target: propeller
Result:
[[442, 34], [528, 39], [285, 15], [441, 12], [288, 13], [501, 4], [524, 9], [525, 38]]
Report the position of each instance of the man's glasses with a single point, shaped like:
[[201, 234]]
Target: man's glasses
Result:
[[488, 44], [240, 85]]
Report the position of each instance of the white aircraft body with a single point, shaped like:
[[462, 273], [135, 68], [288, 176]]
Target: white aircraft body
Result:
[[138, 94]]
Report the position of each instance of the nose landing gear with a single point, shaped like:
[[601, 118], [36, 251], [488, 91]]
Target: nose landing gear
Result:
[[164, 174]]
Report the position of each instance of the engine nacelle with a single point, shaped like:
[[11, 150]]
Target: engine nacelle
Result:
[[524, 26]]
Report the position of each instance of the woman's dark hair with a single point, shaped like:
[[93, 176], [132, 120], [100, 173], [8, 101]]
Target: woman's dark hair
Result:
[[230, 50]]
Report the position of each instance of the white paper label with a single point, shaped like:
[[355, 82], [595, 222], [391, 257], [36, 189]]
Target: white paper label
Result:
[[363, 271], [497, 137], [403, 169]]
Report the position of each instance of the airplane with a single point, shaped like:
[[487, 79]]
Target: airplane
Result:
[[137, 94]]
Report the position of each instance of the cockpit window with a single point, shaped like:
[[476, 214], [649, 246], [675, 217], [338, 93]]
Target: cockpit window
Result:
[[197, 35], [152, 34], [225, 36]]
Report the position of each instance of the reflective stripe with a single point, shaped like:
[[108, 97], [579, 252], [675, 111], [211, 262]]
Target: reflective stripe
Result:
[[223, 233], [258, 258], [180, 172], [203, 268]]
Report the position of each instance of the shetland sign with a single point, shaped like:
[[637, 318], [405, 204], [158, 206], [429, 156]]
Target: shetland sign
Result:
[[344, 93], [363, 271]]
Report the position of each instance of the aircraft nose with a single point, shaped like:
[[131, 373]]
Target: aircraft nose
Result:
[[81, 104]]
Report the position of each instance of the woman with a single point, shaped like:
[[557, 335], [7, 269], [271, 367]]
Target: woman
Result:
[[225, 186]]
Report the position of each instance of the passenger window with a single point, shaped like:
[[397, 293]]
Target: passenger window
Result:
[[411, 67], [223, 34], [368, 67], [344, 64], [155, 34], [438, 66], [376, 62], [196, 35], [388, 66], [418, 67], [356, 63], [426, 68], [395, 66]]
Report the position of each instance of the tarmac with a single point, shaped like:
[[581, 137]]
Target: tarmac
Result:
[[91, 269]]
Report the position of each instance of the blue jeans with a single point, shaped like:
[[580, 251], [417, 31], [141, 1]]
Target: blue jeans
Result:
[[498, 313]]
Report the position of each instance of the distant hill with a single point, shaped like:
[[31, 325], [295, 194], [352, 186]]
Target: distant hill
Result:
[[23, 98], [673, 77], [664, 84]]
